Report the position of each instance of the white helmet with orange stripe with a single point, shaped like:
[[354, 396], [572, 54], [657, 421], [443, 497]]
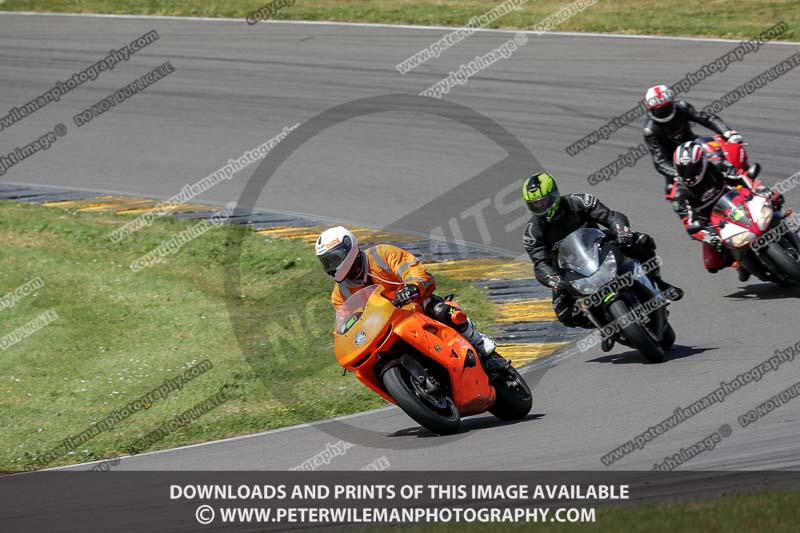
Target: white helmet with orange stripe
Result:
[[337, 250], [660, 103]]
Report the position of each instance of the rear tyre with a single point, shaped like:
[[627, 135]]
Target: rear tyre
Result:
[[513, 397], [668, 338], [786, 263], [438, 415], [636, 334]]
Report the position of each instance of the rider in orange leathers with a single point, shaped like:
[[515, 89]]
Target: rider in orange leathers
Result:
[[404, 279]]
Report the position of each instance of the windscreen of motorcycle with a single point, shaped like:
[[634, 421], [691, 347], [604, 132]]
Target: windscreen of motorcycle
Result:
[[580, 251], [732, 206], [351, 310]]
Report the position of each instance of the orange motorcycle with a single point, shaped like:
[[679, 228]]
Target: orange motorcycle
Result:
[[423, 366]]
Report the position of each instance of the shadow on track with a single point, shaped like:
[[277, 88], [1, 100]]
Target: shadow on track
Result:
[[467, 425], [765, 291], [633, 357]]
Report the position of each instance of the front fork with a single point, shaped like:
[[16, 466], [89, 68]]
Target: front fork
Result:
[[418, 373], [645, 284]]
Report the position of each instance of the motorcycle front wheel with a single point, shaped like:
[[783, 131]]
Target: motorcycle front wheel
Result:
[[436, 413], [668, 338], [785, 261], [636, 334]]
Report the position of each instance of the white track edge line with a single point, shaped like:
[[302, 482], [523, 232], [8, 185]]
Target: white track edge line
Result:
[[228, 439], [533, 365], [395, 26], [548, 360]]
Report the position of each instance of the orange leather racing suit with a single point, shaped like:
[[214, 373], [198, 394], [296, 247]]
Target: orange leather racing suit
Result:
[[393, 267], [390, 267]]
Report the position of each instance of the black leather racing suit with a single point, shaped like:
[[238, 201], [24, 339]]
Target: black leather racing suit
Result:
[[576, 211], [695, 204], [663, 138]]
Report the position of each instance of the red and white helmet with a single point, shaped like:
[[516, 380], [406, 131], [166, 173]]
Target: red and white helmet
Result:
[[690, 162], [660, 103], [337, 250]]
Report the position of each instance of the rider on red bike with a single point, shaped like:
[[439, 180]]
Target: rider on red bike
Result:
[[669, 124], [703, 177]]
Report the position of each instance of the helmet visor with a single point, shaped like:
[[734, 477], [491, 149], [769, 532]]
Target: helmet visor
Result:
[[691, 173], [333, 258], [542, 205], [664, 111]]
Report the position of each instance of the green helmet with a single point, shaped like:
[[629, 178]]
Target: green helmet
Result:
[[540, 193]]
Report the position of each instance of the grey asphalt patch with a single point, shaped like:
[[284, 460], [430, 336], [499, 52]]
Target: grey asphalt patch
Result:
[[233, 88]]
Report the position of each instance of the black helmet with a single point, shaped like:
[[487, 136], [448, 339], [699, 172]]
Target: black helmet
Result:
[[690, 162]]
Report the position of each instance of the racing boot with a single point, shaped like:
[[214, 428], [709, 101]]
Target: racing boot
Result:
[[491, 361], [449, 312], [607, 345], [672, 292], [744, 274]]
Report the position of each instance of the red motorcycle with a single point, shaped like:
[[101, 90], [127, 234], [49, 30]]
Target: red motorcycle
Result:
[[757, 235]]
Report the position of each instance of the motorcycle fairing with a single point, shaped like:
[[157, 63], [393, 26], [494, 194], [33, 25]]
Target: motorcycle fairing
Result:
[[469, 385], [368, 324]]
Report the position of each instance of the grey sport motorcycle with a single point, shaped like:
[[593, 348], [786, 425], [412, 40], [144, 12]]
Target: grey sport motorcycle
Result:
[[615, 293]]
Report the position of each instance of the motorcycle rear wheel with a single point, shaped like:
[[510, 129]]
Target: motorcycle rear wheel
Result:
[[636, 333], [513, 397], [397, 381]]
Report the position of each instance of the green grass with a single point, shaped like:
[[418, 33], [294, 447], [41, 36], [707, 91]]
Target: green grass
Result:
[[121, 333], [720, 18], [774, 511]]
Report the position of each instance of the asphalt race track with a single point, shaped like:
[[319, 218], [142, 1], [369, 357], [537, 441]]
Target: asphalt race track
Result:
[[236, 86]]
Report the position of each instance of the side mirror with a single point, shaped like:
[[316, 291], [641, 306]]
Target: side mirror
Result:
[[694, 227], [754, 171]]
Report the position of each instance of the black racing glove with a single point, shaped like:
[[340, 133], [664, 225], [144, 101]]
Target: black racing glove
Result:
[[775, 197], [555, 282], [713, 240], [669, 189], [405, 294], [624, 235], [732, 176]]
